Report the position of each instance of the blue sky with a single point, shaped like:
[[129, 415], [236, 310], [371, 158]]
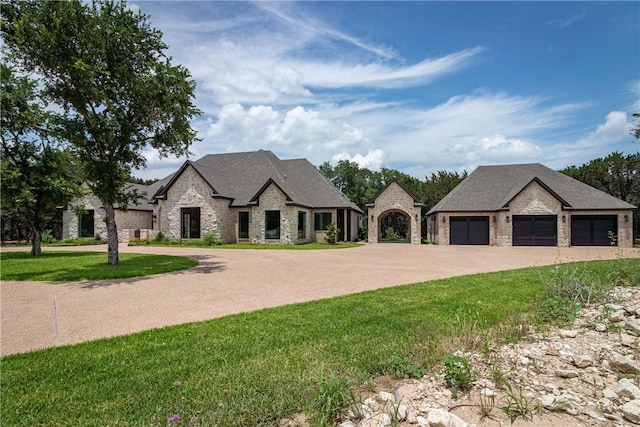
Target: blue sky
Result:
[[413, 86]]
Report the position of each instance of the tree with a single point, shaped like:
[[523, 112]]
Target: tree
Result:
[[105, 67], [36, 175], [635, 131]]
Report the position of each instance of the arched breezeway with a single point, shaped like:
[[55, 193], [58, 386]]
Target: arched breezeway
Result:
[[394, 216]]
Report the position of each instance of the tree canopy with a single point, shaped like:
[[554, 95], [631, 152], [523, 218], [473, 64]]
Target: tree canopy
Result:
[[106, 69]]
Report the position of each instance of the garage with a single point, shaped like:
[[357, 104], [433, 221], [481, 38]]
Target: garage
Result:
[[593, 230], [535, 230], [469, 230]]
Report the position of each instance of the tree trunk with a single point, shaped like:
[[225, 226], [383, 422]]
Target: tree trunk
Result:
[[36, 242], [112, 233]]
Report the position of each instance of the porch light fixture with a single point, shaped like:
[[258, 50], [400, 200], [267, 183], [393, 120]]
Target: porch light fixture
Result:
[[564, 218], [494, 218], [444, 219], [626, 218], [371, 217], [416, 217], [508, 219]]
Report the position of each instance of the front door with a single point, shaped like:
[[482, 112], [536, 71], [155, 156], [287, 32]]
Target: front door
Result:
[[340, 224]]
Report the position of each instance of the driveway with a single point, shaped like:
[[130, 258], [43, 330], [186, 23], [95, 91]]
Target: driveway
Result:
[[37, 315]]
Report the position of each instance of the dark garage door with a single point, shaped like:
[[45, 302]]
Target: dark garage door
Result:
[[535, 230], [469, 230], [592, 230]]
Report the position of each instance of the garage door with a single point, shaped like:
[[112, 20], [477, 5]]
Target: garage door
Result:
[[535, 230], [593, 230], [469, 230]]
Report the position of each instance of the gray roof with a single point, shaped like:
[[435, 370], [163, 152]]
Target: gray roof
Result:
[[491, 188], [242, 177]]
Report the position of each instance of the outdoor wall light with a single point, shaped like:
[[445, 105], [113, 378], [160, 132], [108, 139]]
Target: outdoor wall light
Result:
[[444, 219], [508, 218], [494, 218], [626, 218], [564, 218], [416, 217], [371, 217]]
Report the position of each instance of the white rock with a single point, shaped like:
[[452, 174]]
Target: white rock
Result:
[[610, 394], [442, 418], [617, 316], [633, 326], [385, 396], [422, 422], [567, 333], [628, 340], [624, 364], [582, 361], [631, 411], [566, 373], [626, 388], [601, 327]]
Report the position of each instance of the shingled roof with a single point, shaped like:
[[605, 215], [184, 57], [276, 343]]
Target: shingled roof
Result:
[[492, 188], [241, 177]]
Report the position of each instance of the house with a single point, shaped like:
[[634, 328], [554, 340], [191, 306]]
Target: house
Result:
[[529, 205], [239, 197]]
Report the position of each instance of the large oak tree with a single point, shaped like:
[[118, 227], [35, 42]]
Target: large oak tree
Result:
[[107, 70]]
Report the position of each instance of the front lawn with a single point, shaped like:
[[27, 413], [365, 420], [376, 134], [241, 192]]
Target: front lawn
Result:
[[73, 266], [202, 243], [255, 369]]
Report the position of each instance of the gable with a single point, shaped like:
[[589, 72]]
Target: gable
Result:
[[534, 199]]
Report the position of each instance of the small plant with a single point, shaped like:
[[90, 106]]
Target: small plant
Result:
[[487, 403], [517, 405], [400, 367], [332, 233], [159, 237], [331, 401], [557, 310], [575, 282], [391, 234], [456, 372]]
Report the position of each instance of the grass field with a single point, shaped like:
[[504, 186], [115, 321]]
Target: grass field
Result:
[[72, 266], [255, 369]]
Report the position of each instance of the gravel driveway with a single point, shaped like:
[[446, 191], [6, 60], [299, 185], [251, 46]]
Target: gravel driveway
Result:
[[37, 315]]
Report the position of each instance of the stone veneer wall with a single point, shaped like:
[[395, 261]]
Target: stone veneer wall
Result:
[[274, 199], [394, 198], [70, 220], [188, 191]]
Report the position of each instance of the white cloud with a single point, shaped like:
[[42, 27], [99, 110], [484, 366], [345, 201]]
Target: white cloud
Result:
[[495, 149], [373, 160], [298, 129], [568, 21]]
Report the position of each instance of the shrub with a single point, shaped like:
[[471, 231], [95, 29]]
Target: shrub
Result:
[[332, 233], [576, 283], [331, 401], [210, 239], [159, 237], [47, 237], [391, 234], [400, 367]]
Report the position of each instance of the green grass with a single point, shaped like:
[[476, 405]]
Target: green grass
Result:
[[72, 266], [256, 368]]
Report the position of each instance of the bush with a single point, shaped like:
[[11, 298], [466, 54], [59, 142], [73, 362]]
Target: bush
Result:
[[576, 283], [391, 234], [332, 233], [47, 237], [160, 237], [211, 239]]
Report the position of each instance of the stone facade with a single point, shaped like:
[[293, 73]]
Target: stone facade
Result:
[[71, 219], [394, 198]]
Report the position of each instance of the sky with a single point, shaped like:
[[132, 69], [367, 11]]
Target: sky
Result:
[[414, 86]]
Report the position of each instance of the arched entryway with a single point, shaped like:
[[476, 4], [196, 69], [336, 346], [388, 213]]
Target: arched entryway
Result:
[[394, 216], [394, 226]]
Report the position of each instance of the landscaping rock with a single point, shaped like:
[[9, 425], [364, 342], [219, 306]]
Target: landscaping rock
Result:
[[623, 364], [626, 388], [631, 411]]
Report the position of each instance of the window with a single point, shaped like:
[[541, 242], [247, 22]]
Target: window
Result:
[[322, 220], [243, 225], [86, 224], [272, 224], [190, 226], [302, 225]]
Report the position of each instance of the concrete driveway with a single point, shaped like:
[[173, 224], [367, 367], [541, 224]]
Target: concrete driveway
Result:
[[37, 315]]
